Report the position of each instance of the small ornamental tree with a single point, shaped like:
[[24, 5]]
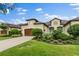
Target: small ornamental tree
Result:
[[37, 32], [14, 32], [74, 30], [56, 33]]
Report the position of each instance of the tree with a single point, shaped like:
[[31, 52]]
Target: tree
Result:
[[37, 32], [56, 33], [3, 26], [6, 7], [74, 30], [14, 32]]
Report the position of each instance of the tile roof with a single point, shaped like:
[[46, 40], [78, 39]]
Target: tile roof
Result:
[[41, 23], [75, 19], [32, 19]]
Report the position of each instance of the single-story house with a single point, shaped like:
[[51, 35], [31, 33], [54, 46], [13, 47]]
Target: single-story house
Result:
[[33, 23]]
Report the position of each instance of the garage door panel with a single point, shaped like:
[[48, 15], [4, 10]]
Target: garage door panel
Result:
[[28, 32]]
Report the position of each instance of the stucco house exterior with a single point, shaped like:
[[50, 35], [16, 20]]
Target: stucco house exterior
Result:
[[55, 24], [9, 27], [70, 23], [47, 27], [33, 23]]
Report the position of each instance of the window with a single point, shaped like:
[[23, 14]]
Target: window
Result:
[[3, 32], [59, 28], [51, 29]]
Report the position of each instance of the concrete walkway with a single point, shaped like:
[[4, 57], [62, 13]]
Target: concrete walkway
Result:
[[8, 43]]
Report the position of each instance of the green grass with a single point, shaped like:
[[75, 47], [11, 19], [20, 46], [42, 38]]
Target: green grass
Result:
[[6, 37], [3, 38], [37, 48]]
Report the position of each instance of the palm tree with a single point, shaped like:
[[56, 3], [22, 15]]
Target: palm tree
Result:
[[6, 7]]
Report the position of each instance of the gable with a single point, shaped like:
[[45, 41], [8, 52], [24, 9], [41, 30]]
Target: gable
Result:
[[55, 22]]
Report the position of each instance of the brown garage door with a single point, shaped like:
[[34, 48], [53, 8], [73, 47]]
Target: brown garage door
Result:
[[28, 32]]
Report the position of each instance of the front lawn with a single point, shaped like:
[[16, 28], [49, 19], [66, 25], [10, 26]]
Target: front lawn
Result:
[[37, 48], [3, 38]]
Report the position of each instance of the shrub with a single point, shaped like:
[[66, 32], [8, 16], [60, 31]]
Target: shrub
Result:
[[56, 33], [47, 37], [56, 42], [63, 36], [74, 30], [37, 33], [14, 32]]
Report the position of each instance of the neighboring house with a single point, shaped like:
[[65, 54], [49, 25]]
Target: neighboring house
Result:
[[70, 23], [33, 23], [9, 27]]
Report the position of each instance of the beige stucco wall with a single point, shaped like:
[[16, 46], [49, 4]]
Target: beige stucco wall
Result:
[[55, 25], [65, 28], [74, 22], [31, 22], [31, 25], [46, 29]]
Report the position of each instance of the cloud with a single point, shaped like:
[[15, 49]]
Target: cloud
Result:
[[24, 10], [74, 4], [21, 9], [77, 8], [58, 16], [23, 18], [21, 13], [2, 21], [38, 9], [18, 20]]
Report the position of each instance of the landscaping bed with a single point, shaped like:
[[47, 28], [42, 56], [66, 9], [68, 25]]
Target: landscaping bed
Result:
[[37, 48]]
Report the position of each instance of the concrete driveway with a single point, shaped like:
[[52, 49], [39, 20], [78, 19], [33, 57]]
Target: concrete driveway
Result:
[[8, 43]]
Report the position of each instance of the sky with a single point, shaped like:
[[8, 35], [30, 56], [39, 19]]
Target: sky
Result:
[[41, 11]]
